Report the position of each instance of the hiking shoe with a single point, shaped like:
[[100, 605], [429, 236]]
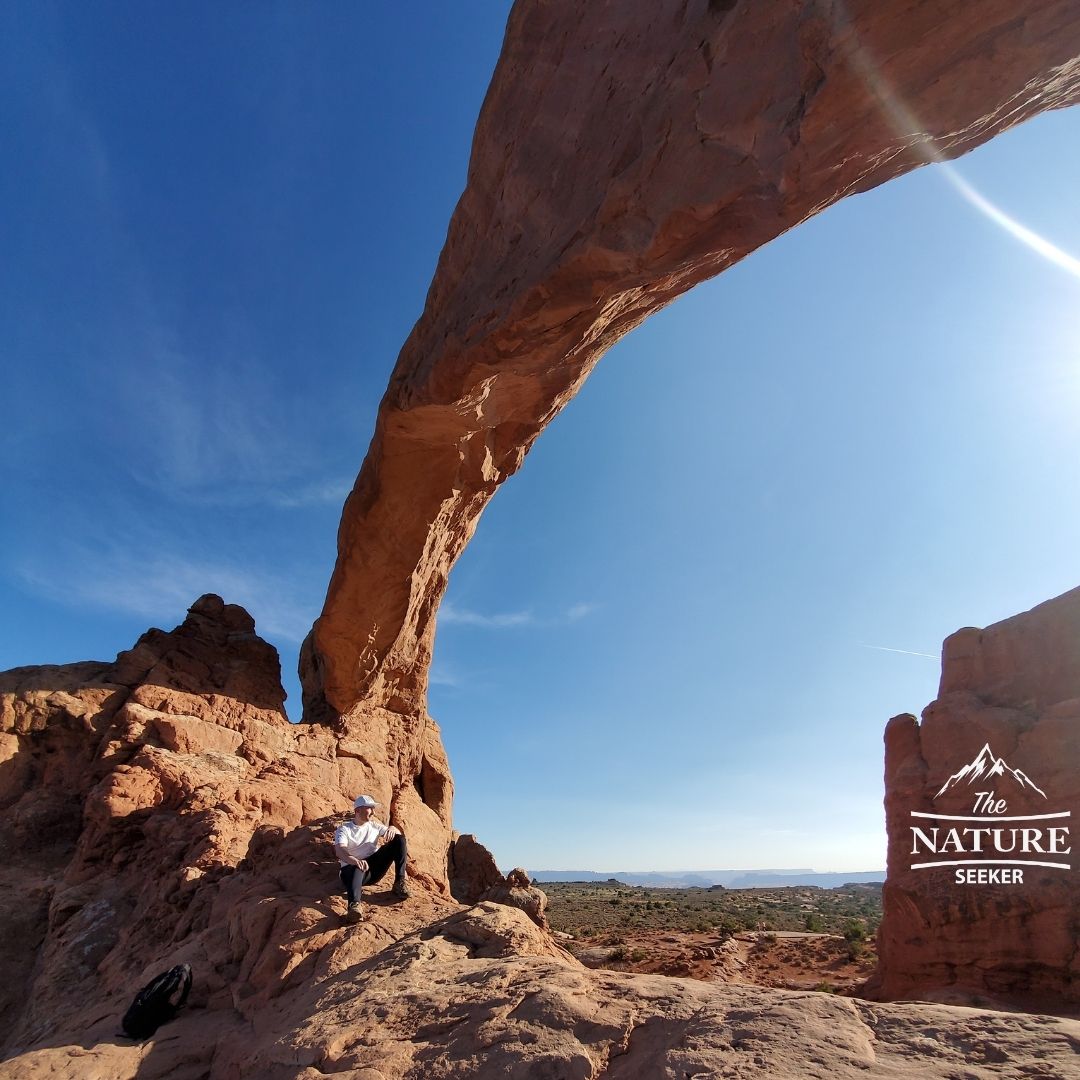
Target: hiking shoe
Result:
[[355, 913], [401, 890]]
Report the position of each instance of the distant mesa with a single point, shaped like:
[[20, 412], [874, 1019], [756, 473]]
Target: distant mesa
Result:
[[986, 766]]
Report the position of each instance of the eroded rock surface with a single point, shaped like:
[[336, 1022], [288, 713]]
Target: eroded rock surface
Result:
[[472, 869], [518, 891], [485, 994], [161, 809], [626, 152], [1009, 705]]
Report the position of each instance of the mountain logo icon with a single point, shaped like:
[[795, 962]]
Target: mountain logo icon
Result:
[[987, 766]]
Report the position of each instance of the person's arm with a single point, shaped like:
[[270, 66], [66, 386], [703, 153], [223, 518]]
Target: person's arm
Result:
[[387, 832], [344, 857]]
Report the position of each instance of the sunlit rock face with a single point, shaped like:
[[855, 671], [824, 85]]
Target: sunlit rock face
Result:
[[161, 809], [624, 153], [997, 757]]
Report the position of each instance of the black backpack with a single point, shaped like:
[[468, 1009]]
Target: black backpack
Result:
[[157, 1002]]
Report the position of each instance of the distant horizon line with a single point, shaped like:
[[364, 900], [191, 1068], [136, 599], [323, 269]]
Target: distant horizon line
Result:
[[711, 870]]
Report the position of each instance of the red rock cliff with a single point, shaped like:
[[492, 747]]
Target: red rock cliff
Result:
[[624, 153], [1006, 722], [161, 809]]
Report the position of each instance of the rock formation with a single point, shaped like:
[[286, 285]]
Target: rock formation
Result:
[[162, 809], [518, 891], [624, 153], [472, 869], [1006, 722]]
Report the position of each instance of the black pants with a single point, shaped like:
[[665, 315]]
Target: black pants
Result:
[[378, 862]]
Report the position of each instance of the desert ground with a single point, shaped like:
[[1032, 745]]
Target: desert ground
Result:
[[796, 938]]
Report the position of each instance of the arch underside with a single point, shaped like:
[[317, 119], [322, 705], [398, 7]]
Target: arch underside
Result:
[[624, 153]]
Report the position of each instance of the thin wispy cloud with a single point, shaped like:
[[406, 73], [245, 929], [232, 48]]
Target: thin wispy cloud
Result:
[[318, 493], [452, 615], [903, 652], [301, 496], [230, 430], [216, 430], [206, 416], [579, 611], [161, 587], [442, 674]]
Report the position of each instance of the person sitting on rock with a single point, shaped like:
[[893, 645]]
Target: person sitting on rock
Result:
[[363, 862]]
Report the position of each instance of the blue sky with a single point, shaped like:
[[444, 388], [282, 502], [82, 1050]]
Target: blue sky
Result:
[[666, 646]]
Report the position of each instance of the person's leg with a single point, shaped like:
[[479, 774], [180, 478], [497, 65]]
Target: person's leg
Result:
[[354, 881], [393, 851], [351, 884]]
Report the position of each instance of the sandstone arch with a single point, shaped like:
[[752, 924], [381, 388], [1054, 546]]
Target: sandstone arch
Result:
[[626, 152]]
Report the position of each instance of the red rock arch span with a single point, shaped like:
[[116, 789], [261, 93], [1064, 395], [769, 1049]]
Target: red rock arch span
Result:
[[626, 152]]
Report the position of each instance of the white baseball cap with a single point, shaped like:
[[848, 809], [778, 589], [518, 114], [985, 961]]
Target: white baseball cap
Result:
[[362, 801]]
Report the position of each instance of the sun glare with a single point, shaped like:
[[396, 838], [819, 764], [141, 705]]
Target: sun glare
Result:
[[906, 124], [1039, 244]]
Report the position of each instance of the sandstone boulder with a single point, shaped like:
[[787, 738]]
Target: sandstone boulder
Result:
[[518, 891], [472, 869]]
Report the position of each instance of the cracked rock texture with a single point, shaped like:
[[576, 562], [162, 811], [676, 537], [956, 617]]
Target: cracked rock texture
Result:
[[624, 153], [1015, 687]]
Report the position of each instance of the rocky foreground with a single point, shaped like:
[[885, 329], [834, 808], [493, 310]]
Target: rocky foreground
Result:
[[482, 995], [161, 809]]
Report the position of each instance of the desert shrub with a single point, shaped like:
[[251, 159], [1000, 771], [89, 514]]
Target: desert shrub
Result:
[[855, 936]]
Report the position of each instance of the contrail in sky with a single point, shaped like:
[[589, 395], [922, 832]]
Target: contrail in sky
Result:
[[905, 652]]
